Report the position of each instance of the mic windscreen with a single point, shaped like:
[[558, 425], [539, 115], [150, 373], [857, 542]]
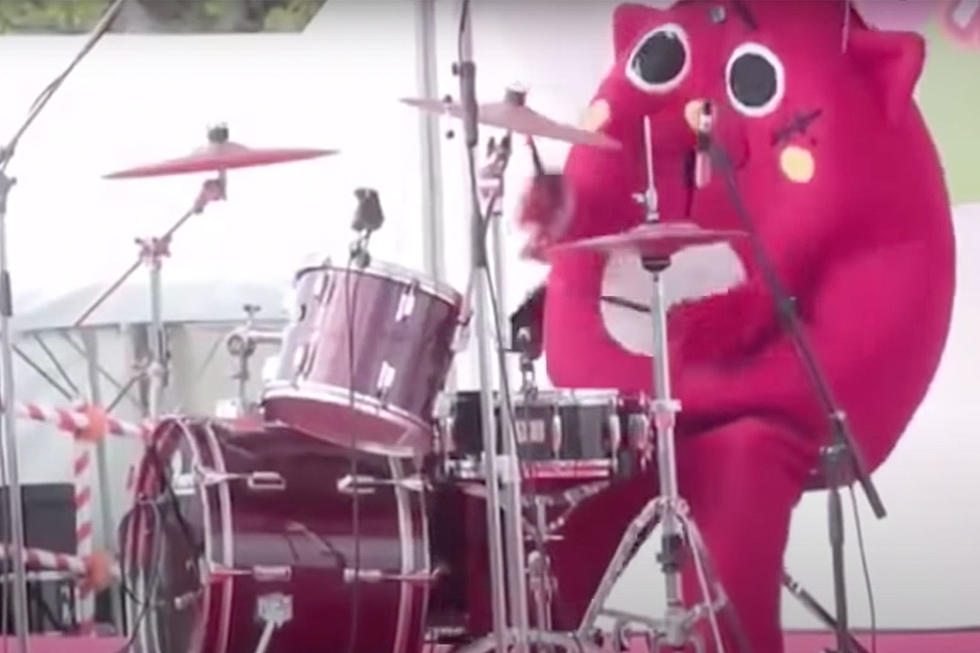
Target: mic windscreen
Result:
[[368, 216]]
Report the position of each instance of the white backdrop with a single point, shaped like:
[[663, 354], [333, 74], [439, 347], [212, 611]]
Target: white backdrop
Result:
[[139, 98]]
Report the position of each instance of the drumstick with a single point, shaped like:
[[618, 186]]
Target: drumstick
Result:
[[535, 157]]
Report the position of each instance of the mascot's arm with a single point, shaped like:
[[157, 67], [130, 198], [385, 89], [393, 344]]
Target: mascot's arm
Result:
[[878, 324]]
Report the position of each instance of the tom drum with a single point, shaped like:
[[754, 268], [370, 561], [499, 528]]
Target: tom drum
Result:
[[365, 357]]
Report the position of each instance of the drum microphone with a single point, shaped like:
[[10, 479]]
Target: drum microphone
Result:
[[702, 156], [368, 218]]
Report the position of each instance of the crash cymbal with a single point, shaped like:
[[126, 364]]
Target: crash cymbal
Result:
[[651, 239], [511, 114], [220, 154]]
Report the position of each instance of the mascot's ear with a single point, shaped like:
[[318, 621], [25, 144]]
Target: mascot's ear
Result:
[[630, 20], [892, 62]]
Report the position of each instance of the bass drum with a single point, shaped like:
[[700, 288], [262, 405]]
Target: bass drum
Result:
[[242, 534]]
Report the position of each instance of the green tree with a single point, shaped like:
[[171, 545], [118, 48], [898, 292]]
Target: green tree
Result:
[[80, 16]]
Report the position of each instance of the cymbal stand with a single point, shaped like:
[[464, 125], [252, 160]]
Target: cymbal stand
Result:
[[499, 481], [675, 629], [8, 442], [152, 252]]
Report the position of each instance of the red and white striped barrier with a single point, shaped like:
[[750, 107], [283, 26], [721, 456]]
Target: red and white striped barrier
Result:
[[88, 425], [84, 472], [91, 424], [96, 569]]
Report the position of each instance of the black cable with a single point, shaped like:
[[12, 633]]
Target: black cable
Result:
[[867, 573], [157, 549], [350, 307]]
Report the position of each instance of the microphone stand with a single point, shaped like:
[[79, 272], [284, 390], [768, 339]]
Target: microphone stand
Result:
[[508, 478], [842, 455], [7, 395]]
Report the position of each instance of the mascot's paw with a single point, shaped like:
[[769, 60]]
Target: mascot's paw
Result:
[[749, 320], [544, 214]]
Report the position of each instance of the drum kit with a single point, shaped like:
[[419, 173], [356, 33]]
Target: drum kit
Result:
[[322, 513], [331, 515]]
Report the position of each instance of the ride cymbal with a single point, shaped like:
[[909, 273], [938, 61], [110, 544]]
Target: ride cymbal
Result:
[[513, 115]]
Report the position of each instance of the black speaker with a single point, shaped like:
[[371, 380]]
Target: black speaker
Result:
[[49, 524]]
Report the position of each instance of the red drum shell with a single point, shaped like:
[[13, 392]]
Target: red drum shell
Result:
[[404, 327], [304, 527]]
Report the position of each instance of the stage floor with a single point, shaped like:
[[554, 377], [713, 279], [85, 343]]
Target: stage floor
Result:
[[960, 641]]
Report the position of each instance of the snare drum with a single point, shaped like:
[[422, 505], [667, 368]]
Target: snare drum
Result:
[[242, 526], [400, 329], [559, 433]]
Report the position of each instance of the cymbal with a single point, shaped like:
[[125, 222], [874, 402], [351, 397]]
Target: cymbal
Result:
[[511, 114], [651, 239], [217, 156]]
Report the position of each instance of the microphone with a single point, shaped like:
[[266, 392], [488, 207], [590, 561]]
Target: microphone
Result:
[[702, 157], [368, 216]]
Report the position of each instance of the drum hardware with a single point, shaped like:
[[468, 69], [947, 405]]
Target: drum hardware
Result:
[[368, 218], [379, 576], [242, 343], [274, 610], [260, 573], [152, 252], [8, 437], [818, 610], [842, 461], [184, 484], [364, 484], [656, 243]]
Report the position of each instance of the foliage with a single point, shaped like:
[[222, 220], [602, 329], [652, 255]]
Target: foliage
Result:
[[187, 16]]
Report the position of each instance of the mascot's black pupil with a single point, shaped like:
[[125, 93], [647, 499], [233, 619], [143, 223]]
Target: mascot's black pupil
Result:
[[753, 80], [660, 59]]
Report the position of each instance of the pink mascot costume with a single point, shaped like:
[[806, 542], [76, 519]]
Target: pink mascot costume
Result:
[[845, 189]]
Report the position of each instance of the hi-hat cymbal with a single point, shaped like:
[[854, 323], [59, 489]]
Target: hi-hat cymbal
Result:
[[220, 154], [651, 239], [511, 114]]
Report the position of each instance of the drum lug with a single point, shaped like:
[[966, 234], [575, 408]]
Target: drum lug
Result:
[[461, 339], [367, 484], [556, 441], [183, 485], [615, 437], [261, 573], [255, 481], [362, 485], [379, 576], [406, 303], [386, 378]]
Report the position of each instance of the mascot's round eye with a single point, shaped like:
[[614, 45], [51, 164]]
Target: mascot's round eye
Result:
[[660, 60], [755, 79]]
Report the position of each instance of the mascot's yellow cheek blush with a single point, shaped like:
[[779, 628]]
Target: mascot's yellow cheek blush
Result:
[[596, 116], [797, 164]]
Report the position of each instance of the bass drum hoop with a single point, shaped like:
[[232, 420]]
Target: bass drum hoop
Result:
[[164, 435]]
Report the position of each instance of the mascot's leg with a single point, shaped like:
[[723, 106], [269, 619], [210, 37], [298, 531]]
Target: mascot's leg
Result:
[[741, 481]]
